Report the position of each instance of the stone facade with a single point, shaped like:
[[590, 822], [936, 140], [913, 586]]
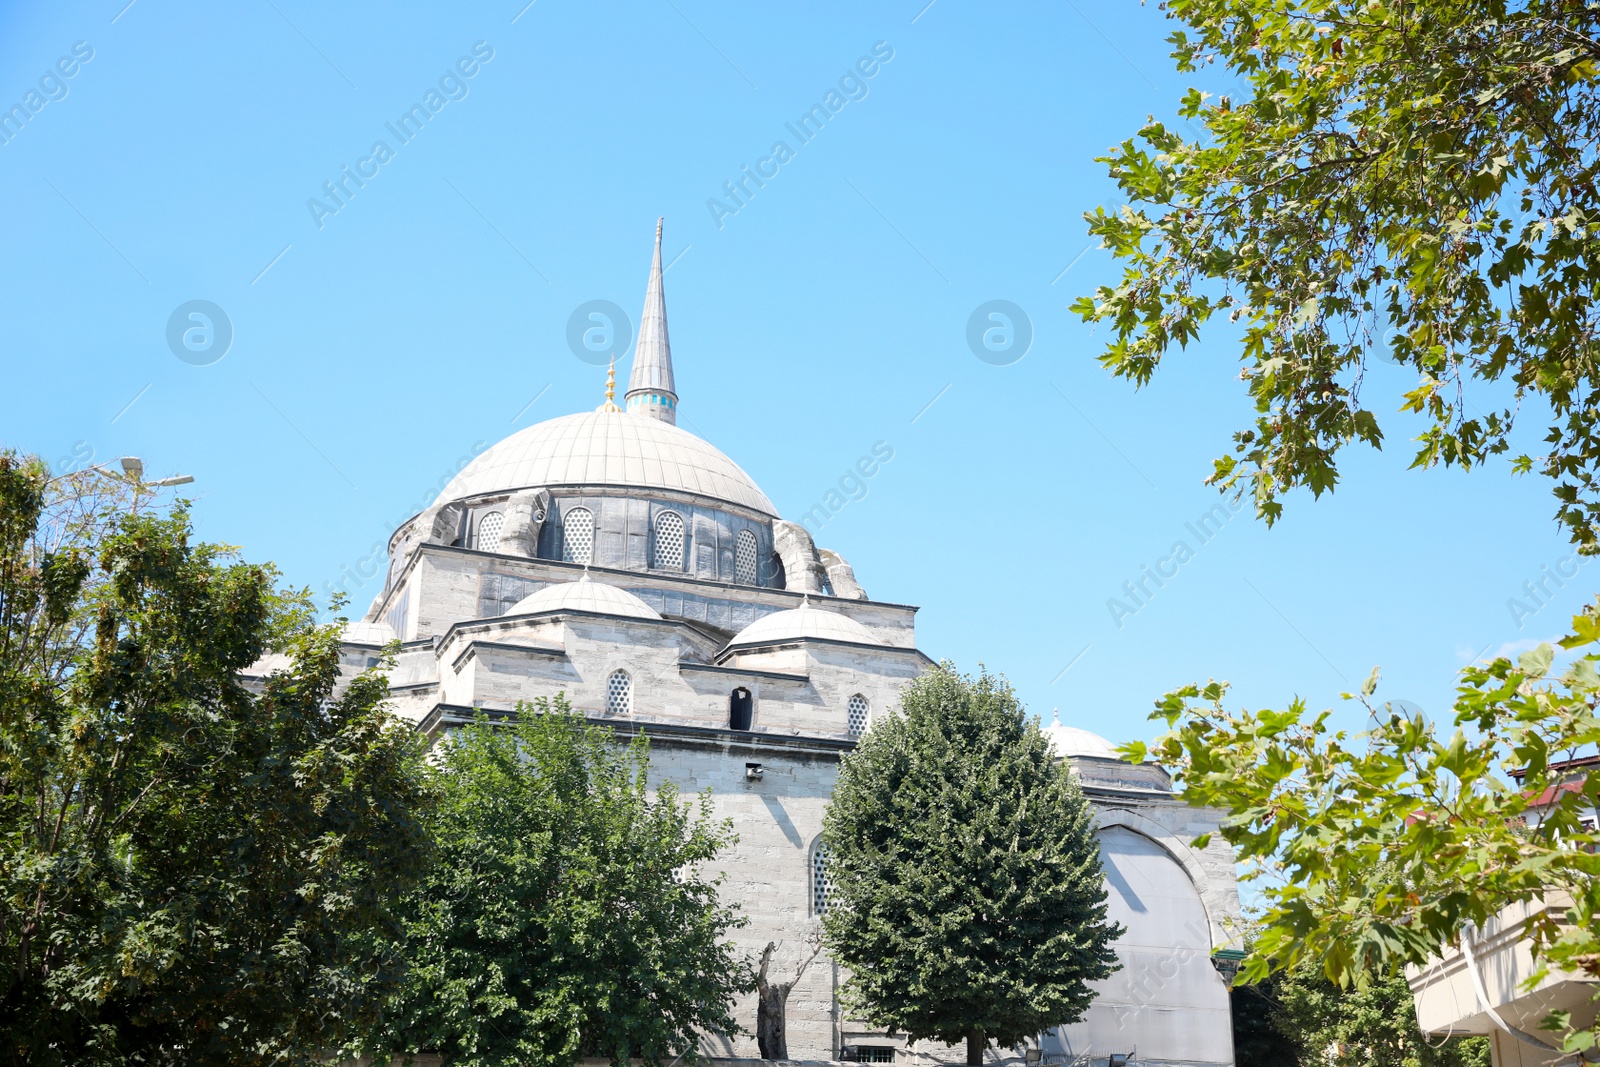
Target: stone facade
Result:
[[466, 648], [617, 559]]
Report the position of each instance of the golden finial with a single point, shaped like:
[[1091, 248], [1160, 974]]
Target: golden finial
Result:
[[611, 387]]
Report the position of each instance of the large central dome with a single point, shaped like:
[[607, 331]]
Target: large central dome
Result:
[[641, 448], [607, 448]]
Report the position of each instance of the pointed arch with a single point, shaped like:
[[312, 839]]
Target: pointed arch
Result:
[[820, 886], [669, 541], [619, 693], [577, 535], [489, 527]]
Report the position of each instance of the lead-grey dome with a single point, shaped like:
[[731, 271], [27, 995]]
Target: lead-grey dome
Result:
[[1069, 741], [585, 595], [607, 448], [803, 622]]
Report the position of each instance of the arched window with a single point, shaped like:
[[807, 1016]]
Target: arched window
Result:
[[856, 715], [619, 693], [577, 535], [744, 558], [819, 879], [489, 527], [669, 541], [740, 707]]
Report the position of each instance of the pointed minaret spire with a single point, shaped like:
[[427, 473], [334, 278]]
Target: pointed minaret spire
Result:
[[650, 387]]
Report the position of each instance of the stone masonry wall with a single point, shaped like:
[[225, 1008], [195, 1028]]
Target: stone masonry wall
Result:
[[768, 874]]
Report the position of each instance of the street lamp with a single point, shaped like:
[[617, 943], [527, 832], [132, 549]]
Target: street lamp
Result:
[[133, 471]]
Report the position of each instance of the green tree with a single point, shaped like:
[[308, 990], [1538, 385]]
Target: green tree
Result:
[[966, 893], [1373, 1026], [1378, 848], [1402, 180], [1299, 1018], [191, 869], [1257, 1041], [565, 914]]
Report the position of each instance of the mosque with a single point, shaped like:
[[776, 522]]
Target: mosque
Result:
[[612, 556]]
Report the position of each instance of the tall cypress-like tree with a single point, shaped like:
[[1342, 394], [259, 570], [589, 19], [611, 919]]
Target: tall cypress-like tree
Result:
[[966, 893]]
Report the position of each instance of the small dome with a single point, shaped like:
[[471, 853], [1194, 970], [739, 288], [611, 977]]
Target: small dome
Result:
[[1069, 741], [607, 448], [804, 621], [368, 633], [585, 595]]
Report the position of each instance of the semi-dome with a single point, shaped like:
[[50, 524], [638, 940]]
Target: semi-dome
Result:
[[1069, 741], [607, 448], [585, 595], [801, 622]]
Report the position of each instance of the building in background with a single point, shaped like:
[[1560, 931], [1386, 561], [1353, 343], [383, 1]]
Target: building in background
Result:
[[1167, 1004], [615, 557], [1480, 986]]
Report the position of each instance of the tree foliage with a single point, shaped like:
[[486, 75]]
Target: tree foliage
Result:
[[1400, 180], [1374, 1025], [1300, 1018], [1257, 1041], [1378, 848], [566, 913], [190, 870], [966, 892]]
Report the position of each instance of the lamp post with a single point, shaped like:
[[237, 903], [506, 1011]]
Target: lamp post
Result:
[[133, 471]]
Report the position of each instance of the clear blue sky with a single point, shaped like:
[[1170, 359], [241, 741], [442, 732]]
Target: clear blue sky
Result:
[[371, 354]]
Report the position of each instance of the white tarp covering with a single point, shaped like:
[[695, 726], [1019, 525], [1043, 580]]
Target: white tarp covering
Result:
[[1167, 1002]]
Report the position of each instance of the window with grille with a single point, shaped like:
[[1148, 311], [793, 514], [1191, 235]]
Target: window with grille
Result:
[[669, 541], [819, 879], [489, 531], [874, 1054], [744, 558], [857, 715], [619, 693], [577, 535]]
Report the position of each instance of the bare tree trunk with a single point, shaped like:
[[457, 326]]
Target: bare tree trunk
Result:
[[771, 1025], [772, 1000], [975, 1043]]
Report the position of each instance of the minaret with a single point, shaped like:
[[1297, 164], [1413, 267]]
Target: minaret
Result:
[[650, 387]]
